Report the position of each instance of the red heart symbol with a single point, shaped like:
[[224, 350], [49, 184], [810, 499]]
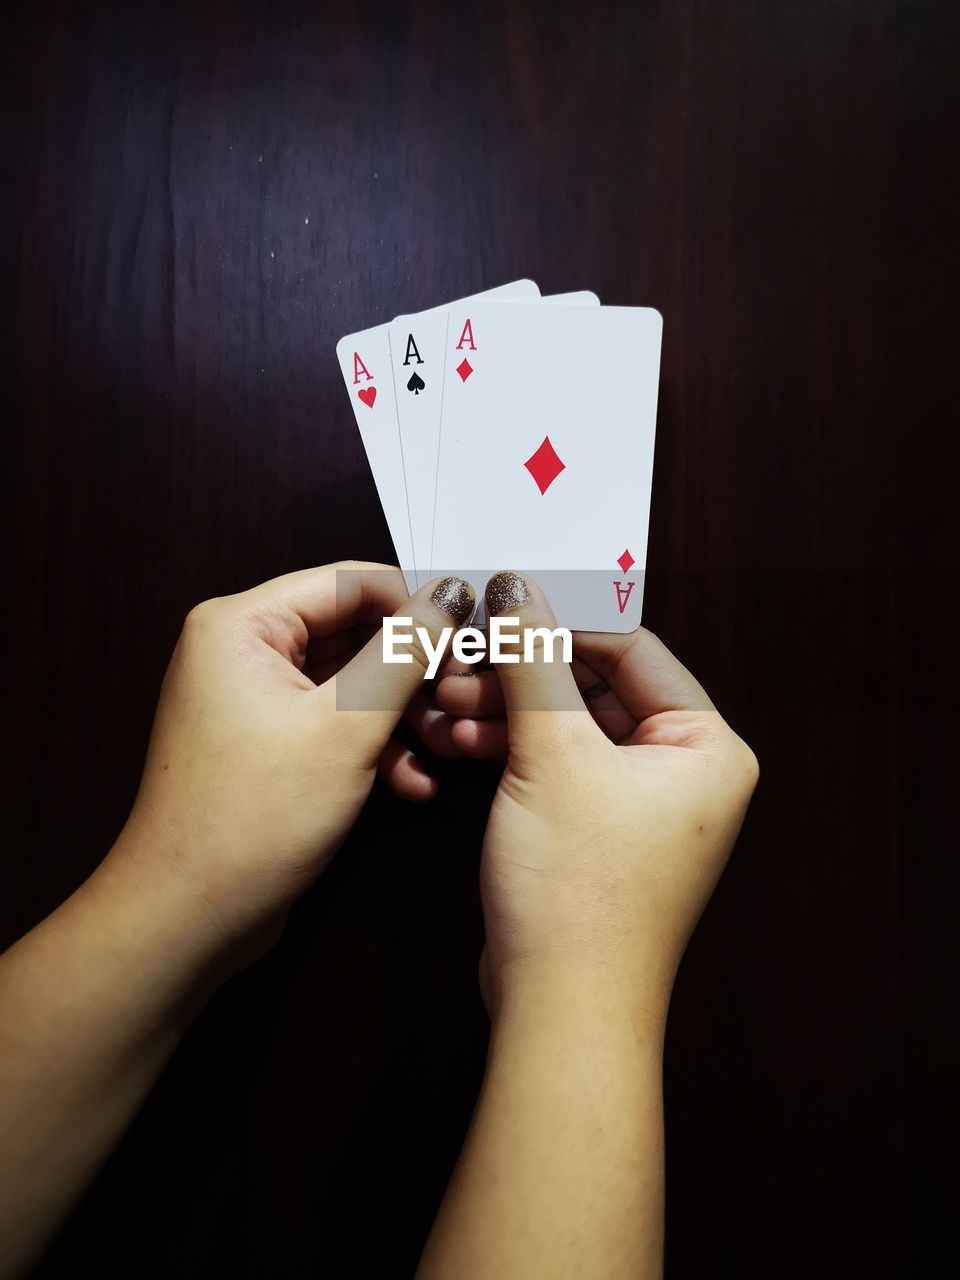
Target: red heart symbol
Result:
[[368, 395]]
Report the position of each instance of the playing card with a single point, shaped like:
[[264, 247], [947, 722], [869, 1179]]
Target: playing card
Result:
[[365, 364], [416, 344], [547, 438]]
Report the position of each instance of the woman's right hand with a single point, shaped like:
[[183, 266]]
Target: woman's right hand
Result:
[[610, 826]]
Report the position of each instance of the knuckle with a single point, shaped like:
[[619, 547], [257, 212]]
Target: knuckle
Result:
[[420, 657], [414, 647], [202, 616], [361, 566], [748, 765], [714, 731]]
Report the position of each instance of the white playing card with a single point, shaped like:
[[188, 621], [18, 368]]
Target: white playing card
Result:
[[416, 344], [548, 425], [365, 364]]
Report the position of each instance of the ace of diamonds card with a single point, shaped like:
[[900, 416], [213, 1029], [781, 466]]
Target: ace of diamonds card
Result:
[[547, 439]]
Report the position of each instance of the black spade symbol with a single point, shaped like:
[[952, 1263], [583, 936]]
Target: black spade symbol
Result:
[[416, 384]]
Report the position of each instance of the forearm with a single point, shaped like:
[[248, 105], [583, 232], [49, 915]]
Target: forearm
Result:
[[562, 1171], [92, 1003]]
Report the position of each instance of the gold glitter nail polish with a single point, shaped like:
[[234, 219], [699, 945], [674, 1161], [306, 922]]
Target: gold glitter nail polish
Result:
[[456, 598], [506, 590]]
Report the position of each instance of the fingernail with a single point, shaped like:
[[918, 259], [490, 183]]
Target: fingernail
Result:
[[505, 590], [455, 597]]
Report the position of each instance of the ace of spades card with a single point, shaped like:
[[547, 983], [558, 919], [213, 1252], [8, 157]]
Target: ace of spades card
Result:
[[365, 364]]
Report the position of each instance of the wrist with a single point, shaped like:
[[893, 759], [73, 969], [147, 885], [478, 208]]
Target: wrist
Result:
[[589, 998], [206, 892], [155, 919]]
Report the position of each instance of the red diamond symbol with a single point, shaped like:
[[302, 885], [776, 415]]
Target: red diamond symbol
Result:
[[626, 561], [464, 368], [545, 465]]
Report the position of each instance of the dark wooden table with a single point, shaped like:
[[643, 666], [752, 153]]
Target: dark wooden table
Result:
[[203, 199]]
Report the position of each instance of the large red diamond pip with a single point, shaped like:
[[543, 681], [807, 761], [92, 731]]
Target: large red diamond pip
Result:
[[545, 465]]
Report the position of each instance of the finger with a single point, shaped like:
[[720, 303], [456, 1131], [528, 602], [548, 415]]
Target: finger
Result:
[[334, 596], [602, 703], [475, 696], [479, 739], [400, 770], [454, 666], [481, 698], [325, 655], [642, 672], [431, 725], [541, 696], [292, 610], [380, 689]]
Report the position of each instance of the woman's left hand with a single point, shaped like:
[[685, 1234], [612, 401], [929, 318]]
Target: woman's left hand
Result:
[[272, 724]]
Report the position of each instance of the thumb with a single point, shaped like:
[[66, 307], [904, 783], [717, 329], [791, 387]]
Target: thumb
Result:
[[542, 699], [392, 666]]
